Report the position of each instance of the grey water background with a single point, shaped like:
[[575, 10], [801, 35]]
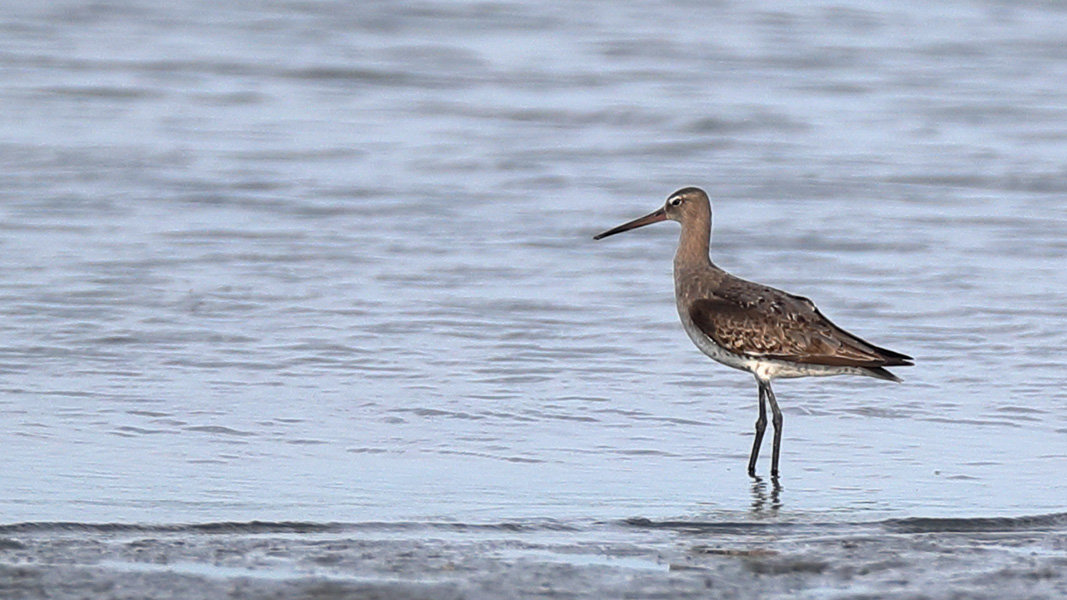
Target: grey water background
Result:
[[332, 262]]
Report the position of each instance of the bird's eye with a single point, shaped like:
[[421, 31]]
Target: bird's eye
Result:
[[676, 201]]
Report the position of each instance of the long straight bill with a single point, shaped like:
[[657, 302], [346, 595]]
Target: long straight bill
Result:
[[655, 217]]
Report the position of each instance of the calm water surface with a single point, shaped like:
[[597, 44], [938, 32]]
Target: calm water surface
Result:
[[332, 262]]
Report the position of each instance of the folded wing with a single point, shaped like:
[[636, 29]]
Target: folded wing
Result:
[[775, 325]]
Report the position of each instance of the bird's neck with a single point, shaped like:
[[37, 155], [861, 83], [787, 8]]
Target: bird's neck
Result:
[[693, 246]]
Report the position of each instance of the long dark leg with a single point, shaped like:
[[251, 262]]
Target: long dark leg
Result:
[[776, 418], [761, 426]]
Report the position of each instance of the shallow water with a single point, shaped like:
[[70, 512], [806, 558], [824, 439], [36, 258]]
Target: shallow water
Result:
[[324, 262]]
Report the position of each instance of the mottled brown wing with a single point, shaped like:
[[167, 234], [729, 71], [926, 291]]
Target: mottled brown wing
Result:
[[776, 325]]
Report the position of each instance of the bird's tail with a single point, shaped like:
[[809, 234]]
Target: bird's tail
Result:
[[880, 373]]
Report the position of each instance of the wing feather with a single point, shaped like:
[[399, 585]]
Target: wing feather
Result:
[[775, 325]]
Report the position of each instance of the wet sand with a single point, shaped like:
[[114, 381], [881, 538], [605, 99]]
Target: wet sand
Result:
[[634, 558]]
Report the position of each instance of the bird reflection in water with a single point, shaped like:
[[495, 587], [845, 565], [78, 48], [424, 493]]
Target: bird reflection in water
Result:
[[764, 502]]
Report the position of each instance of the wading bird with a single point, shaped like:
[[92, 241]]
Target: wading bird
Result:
[[753, 327]]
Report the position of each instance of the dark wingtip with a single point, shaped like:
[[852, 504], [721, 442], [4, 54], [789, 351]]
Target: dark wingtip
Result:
[[899, 362], [895, 359]]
